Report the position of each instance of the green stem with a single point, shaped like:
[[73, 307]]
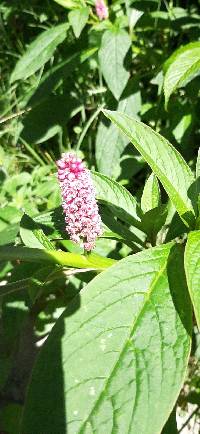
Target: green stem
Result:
[[14, 286], [87, 126], [57, 257], [32, 152]]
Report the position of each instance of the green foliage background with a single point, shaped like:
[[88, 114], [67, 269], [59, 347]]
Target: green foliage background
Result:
[[60, 67]]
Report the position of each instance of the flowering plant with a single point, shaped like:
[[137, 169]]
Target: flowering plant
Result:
[[99, 216]]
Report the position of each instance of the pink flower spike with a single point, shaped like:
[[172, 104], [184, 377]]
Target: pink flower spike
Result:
[[101, 9], [79, 203]]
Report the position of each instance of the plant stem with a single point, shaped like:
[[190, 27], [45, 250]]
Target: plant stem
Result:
[[87, 126]]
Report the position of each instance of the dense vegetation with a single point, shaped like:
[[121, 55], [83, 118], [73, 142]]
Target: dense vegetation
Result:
[[123, 93]]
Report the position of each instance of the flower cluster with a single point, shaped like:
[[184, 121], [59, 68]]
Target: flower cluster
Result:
[[101, 9], [79, 203]]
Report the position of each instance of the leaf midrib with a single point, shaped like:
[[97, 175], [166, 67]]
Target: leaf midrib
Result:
[[144, 154]]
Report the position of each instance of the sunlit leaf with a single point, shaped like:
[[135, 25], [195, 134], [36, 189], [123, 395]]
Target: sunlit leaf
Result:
[[192, 269], [115, 350], [182, 67], [165, 161]]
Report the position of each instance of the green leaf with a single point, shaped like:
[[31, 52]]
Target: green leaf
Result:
[[198, 165], [110, 143], [192, 269], [55, 256], [114, 47], [53, 78], [115, 351], [184, 65], [164, 160], [152, 222], [8, 234], [32, 235], [39, 52], [68, 3], [151, 194], [78, 19], [114, 195], [47, 119], [113, 228]]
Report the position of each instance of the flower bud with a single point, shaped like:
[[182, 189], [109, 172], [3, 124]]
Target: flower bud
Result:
[[101, 9]]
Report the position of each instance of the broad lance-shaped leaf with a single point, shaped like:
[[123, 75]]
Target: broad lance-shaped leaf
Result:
[[184, 65], [116, 359], [39, 52], [78, 19], [114, 47], [192, 269], [116, 196], [164, 160]]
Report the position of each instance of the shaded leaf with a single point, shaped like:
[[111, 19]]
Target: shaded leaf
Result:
[[110, 143], [153, 220], [46, 119], [116, 196]]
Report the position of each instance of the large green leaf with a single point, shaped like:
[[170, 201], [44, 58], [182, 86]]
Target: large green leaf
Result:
[[183, 66], [111, 193], [114, 47], [164, 160], [39, 52], [192, 269], [116, 359]]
